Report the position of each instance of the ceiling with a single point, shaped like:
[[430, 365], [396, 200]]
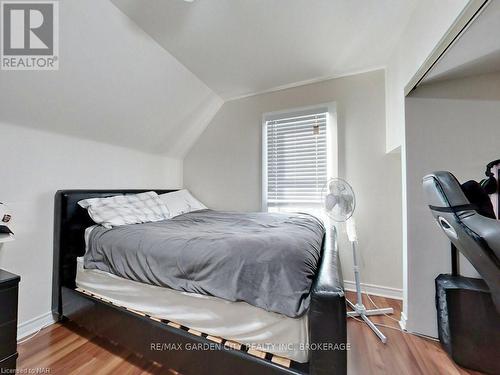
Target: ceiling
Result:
[[241, 47], [477, 51], [151, 77], [114, 85]]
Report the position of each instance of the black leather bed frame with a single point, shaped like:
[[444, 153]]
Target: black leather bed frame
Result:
[[327, 312]]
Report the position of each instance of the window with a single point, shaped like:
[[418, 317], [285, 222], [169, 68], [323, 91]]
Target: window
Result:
[[295, 159]]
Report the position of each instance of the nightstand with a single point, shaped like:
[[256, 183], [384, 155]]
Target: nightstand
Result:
[[8, 321]]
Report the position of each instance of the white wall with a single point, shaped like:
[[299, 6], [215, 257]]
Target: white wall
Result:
[[223, 168], [428, 24], [451, 125], [34, 165]]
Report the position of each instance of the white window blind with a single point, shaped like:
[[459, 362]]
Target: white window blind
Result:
[[296, 159]]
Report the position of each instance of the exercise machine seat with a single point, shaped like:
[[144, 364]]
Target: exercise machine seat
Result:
[[477, 237]]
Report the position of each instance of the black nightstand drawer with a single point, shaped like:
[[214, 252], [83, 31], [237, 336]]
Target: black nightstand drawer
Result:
[[8, 304], [8, 343], [8, 321], [8, 364]]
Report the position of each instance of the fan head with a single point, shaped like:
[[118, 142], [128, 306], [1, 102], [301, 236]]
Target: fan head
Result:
[[338, 199]]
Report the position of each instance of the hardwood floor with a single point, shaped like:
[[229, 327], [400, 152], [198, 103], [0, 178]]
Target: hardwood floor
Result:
[[68, 349], [403, 354]]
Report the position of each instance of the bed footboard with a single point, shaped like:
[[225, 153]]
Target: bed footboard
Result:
[[327, 314]]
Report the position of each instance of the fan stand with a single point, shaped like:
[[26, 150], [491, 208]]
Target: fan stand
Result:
[[359, 308]]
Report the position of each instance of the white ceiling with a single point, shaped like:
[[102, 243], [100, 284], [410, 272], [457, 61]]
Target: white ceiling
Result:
[[114, 84], [477, 51], [147, 78], [239, 47]]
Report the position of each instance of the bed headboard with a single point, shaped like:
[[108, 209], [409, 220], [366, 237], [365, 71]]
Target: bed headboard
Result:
[[70, 221]]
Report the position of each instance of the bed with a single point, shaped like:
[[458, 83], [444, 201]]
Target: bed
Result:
[[83, 295]]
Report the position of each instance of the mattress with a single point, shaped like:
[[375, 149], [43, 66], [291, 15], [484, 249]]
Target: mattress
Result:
[[238, 321], [268, 260]]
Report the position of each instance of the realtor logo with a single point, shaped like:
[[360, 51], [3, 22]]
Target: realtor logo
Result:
[[29, 35]]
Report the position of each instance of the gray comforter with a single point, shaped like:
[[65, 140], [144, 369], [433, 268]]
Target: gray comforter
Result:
[[267, 260]]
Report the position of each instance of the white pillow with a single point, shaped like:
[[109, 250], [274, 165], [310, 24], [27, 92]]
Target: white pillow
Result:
[[126, 209], [181, 202]]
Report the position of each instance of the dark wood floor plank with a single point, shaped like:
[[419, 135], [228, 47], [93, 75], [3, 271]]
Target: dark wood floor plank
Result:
[[69, 349]]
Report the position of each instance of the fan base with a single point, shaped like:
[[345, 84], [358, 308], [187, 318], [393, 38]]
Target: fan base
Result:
[[363, 313]]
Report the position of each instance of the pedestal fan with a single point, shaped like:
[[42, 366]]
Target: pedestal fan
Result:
[[339, 204]]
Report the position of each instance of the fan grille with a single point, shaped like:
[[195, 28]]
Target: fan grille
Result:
[[338, 199]]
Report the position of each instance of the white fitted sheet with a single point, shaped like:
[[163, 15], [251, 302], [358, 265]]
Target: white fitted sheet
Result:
[[237, 321]]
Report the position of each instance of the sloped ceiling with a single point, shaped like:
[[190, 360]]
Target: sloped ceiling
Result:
[[240, 47], [150, 75], [115, 84]]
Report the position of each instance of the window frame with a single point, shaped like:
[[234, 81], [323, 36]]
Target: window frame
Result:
[[331, 140]]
